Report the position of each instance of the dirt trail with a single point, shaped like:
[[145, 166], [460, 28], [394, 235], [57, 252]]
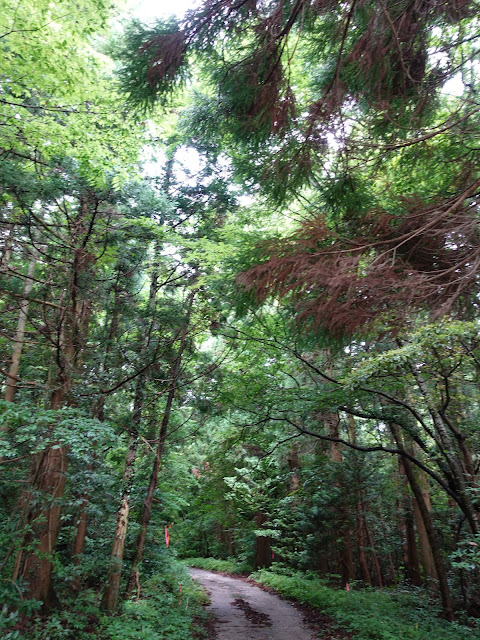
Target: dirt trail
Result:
[[245, 612]]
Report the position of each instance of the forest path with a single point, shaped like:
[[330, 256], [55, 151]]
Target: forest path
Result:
[[246, 612]]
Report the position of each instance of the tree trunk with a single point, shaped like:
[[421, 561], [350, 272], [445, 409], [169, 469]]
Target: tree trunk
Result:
[[7, 249], [45, 523], [371, 543], [347, 570], [385, 537], [263, 551], [79, 542], [147, 508], [427, 520], [428, 562], [448, 450], [413, 563], [112, 589], [361, 544], [11, 385], [99, 414], [51, 465], [294, 465]]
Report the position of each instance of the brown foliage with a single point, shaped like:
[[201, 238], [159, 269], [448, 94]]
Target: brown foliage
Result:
[[428, 257], [169, 51]]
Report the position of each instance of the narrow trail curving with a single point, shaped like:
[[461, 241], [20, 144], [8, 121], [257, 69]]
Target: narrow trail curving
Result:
[[246, 612]]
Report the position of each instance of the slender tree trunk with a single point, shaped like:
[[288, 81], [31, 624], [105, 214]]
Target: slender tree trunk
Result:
[[98, 413], [405, 524], [294, 465], [427, 520], [148, 502], [448, 450], [112, 589], [11, 385], [428, 562], [362, 557], [413, 565], [7, 249], [147, 505], [361, 523], [347, 570], [371, 543], [385, 537]]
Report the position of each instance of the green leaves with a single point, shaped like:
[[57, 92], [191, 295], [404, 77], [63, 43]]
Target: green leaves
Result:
[[57, 99], [32, 429], [153, 62]]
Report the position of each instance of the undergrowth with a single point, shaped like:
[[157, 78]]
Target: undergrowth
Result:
[[167, 609], [225, 566], [371, 614], [170, 607]]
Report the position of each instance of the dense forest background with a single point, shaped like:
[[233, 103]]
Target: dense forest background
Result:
[[240, 264]]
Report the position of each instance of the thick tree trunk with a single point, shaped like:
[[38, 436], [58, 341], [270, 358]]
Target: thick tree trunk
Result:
[[45, 523], [263, 551], [51, 464]]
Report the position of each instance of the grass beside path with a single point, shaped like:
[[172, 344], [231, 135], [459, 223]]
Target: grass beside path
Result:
[[369, 613], [220, 566]]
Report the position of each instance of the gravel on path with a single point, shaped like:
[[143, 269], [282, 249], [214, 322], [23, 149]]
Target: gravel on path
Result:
[[246, 612]]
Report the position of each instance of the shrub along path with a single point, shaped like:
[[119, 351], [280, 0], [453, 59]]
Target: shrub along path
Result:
[[246, 612]]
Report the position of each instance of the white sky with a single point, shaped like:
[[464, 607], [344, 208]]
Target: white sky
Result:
[[149, 10]]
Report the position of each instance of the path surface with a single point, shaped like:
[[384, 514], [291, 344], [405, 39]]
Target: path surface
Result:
[[246, 612]]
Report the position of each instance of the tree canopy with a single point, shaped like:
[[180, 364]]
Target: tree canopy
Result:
[[240, 278]]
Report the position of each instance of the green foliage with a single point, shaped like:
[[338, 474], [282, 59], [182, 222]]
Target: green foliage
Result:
[[213, 564], [30, 429], [377, 615], [170, 607], [294, 104], [153, 63], [164, 611], [57, 99]]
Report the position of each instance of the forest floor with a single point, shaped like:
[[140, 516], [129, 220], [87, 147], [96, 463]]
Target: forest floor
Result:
[[245, 611]]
